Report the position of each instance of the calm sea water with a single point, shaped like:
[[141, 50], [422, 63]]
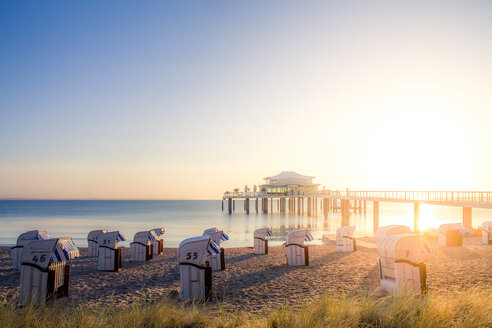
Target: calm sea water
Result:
[[183, 219]]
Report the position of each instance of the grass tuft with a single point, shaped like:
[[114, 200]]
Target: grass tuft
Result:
[[467, 309]]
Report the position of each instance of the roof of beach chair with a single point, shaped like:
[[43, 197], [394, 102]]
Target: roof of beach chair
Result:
[[216, 235], [263, 232], [42, 252], [345, 232], [159, 231], [203, 246], [27, 236], [411, 247], [390, 230], [298, 236], [93, 235]]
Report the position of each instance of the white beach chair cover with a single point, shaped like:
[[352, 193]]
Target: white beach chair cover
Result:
[[390, 230], [92, 246], [399, 257], [486, 232], [22, 240], [345, 244], [260, 240]]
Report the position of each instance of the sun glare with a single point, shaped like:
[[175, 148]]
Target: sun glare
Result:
[[427, 218]]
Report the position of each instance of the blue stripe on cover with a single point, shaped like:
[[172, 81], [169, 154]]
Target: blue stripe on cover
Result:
[[57, 255], [120, 237], [224, 237], [269, 232], [213, 248], [152, 236], [308, 237]]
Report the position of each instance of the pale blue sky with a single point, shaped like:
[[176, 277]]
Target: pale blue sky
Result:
[[119, 99]]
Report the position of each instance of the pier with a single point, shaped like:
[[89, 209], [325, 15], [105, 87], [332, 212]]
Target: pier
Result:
[[356, 201]]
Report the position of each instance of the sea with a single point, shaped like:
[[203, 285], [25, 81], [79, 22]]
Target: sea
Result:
[[183, 219]]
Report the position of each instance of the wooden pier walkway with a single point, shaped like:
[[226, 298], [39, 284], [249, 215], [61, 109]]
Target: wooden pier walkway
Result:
[[345, 201]]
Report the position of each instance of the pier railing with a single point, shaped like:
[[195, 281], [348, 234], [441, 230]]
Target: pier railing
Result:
[[472, 197]]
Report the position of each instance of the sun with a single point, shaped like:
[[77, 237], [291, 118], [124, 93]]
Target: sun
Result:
[[427, 218]]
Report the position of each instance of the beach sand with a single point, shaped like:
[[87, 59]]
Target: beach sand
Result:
[[258, 283]]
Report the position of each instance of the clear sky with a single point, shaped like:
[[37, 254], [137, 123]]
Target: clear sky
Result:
[[188, 99]]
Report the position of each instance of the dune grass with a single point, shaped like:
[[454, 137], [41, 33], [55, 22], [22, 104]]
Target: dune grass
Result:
[[472, 308]]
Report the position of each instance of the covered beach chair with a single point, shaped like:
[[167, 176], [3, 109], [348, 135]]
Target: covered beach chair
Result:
[[109, 258], [390, 230], [142, 248], [297, 253], [92, 246], [401, 267], [217, 261], [159, 242], [24, 239], [45, 273], [261, 243], [450, 234], [195, 271], [345, 240], [487, 233]]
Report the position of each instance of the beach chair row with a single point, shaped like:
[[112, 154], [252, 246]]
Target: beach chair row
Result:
[[45, 272]]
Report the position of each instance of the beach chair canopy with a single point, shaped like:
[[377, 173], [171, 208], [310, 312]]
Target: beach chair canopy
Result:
[[262, 233], [345, 232], [28, 236], [110, 239], [298, 236], [159, 231], [390, 230], [41, 253], [409, 247], [94, 235], [195, 250], [216, 235], [444, 228], [145, 237]]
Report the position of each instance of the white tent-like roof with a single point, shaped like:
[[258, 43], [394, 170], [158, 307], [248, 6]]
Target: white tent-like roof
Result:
[[289, 175], [289, 183]]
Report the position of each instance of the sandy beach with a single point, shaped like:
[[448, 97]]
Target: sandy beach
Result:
[[256, 283]]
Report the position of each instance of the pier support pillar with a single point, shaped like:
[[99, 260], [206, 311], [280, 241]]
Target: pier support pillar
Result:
[[345, 209], [299, 205], [282, 205], [365, 206], [233, 205], [309, 206], [264, 205], [375, 215], [416, 216], [325, 207], [256, 205], [246, 205], [467, 217], [229, 205]]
